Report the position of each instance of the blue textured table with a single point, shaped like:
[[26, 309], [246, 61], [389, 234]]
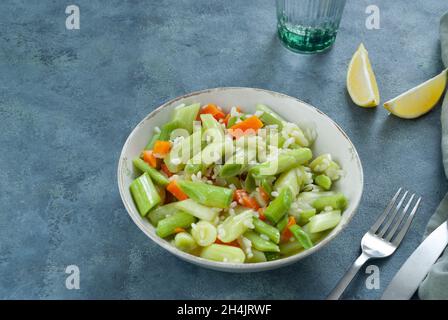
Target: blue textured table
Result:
[[69, 98]]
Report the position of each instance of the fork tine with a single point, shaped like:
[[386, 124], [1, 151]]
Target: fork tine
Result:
[[392, 216], [406, 225], [400, 218], [383, 216]]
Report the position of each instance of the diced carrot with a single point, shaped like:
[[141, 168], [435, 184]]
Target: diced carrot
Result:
[[251, 123], [261, 215], [287, 234], [233, 243], [178, 230], [236, 133], [245, 200], [238, 109], [165, 170], [161, 148], [214, 110], [176, 191], [238, 195], [149, 158], [250, 202]]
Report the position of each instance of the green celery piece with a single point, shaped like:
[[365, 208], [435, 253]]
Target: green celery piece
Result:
[[271, 256], [309, 196], [186, 116], [266, 229], [168, 128], [192, 145], [158, 178], [280, 140], [333, 171], [321, 163], [234, 226], [206, 194], [211, 153], [301, 176], [232, 121], [281, 225], [323, 181], [161, 212], [167, 226], [337, 201], [238, 163], [191, 168], [320, 200], [302, 212], [235, 181], [144, 193], [316, 236], [273, 167], [185, 242], [204, 233], [257, 256], [301, 236], [240, 209], [249, 183], [324, 221], [288, 179], [230, 170], [267, 186], [290, 248], [222, 253], [285, 161], [269, 117], [210, 123], [198, 210], [302, 155], [306, 215], [278, 207], [152, 141], [261, 244]]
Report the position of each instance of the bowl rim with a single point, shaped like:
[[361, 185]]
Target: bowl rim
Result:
[[227, 266]]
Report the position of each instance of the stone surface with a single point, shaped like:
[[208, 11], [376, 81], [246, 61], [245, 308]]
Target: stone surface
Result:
[[69, 99]]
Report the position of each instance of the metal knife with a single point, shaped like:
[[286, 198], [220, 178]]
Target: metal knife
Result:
[[416, 267]]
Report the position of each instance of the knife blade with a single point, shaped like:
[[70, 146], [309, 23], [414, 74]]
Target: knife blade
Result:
[[414, 270]]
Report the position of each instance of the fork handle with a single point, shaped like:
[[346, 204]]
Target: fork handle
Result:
[[348, 277]]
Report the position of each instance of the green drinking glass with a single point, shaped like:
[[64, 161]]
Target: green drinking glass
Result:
[[308, 26]]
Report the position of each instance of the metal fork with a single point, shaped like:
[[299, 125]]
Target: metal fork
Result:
[[382, 239]]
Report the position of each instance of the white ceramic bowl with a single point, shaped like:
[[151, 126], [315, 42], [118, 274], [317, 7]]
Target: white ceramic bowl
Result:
[[331, 139]]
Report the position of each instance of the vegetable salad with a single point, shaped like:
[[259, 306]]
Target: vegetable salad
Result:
[[236, 187]]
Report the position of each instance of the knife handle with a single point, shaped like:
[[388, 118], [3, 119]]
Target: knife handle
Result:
[[348, 277]]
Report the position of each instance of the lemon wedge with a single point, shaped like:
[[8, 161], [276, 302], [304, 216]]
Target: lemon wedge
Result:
[[361, 82], [419, 100]]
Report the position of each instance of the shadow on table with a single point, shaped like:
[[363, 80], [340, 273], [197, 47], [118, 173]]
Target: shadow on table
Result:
[[277, 68], [305, 279], [358, 113]]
